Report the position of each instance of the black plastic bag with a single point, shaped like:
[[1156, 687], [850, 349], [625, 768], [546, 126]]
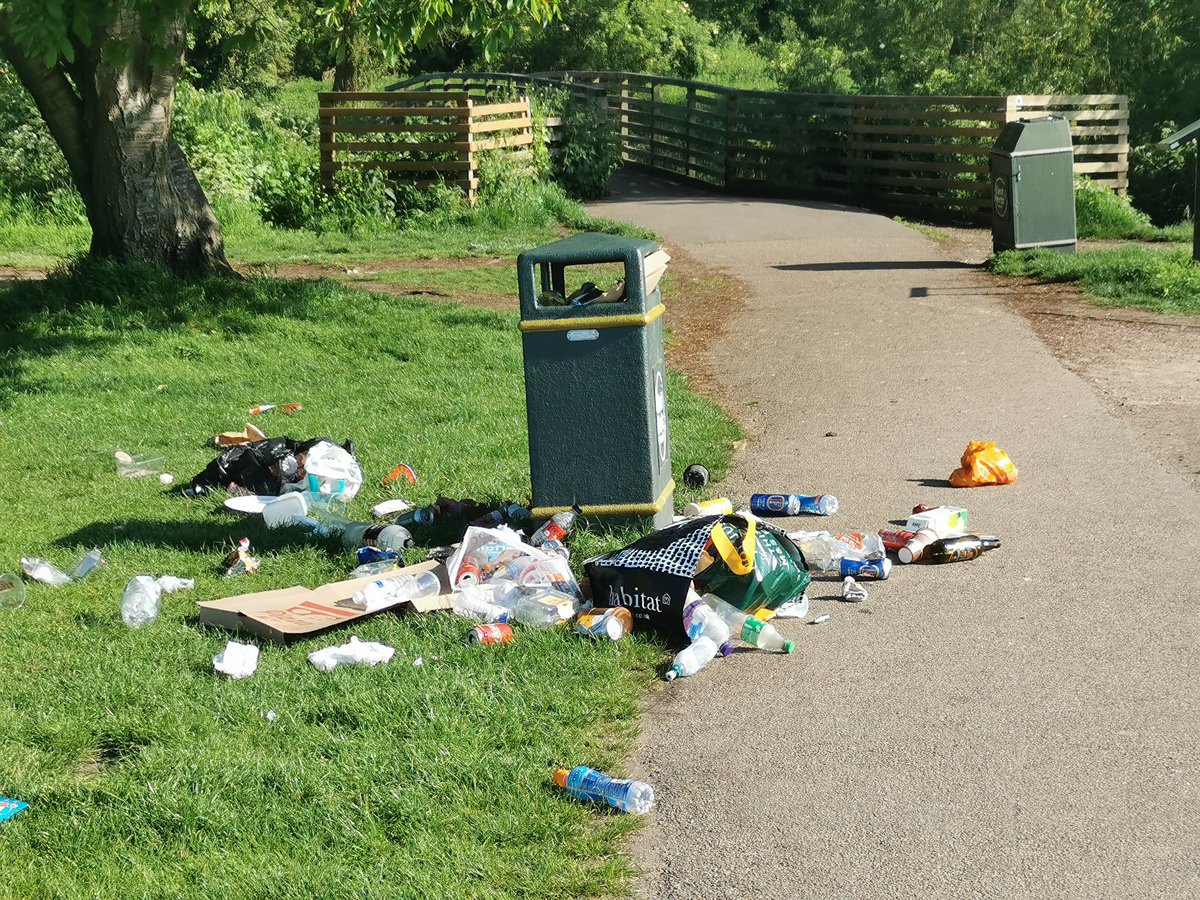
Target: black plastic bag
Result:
[[259, 467]]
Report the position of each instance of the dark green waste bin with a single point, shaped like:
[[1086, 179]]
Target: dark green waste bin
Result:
[[595, 383], [1033, 187]]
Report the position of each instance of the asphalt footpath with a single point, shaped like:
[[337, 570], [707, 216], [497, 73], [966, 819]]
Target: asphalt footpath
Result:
[[1026, 724]]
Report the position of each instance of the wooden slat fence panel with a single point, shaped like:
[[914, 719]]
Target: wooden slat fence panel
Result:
[[894, 152]]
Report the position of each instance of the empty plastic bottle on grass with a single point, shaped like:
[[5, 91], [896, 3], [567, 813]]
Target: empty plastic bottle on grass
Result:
[[700, 619], [368, 534], [475, 601], [389, 591], [748, 629], [627, 795], [139, 604], [793, 504], [557, 529], [692, 658], [543, 608]]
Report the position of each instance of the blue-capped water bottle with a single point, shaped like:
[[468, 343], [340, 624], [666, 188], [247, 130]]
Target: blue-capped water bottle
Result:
[[584, 783], [793, 504]]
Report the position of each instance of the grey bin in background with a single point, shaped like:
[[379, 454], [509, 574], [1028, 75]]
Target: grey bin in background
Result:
[[1033, 187], [595, 385]]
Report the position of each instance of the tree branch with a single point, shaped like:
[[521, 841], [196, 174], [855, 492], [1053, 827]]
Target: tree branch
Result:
[[58, 103]]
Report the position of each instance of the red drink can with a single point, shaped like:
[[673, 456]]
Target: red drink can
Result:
[[894, 540], [498, 633], [469, 572]]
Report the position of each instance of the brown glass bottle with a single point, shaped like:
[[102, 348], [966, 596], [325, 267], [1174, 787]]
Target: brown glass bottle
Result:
[[960, 548]]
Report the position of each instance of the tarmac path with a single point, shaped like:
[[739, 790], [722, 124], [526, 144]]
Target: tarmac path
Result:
[[1023, 725]]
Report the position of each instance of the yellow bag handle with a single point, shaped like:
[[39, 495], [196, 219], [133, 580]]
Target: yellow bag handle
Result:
[[740, 562]]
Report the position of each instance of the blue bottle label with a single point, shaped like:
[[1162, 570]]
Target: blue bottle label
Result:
[[769, 504]]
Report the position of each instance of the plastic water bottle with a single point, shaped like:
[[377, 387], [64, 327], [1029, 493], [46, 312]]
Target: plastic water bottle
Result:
[[389, 591], [368, 534], [557, 528], [692, 658], [748, 629], [536, 611], [625, 794], [475, 602], [793, 504], [840, 554], [701, 619], [378, 567], [139, 605]]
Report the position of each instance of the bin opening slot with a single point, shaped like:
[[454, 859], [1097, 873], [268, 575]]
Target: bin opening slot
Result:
[[582, 285]]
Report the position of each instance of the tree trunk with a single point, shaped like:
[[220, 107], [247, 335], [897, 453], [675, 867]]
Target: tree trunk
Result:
[[345, 73], [142, 198]]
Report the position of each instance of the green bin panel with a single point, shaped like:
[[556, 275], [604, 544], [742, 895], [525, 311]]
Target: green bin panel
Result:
[[1033, 188]]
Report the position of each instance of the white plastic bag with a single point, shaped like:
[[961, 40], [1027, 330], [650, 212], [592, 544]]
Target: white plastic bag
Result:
[[332, 470], [548, 568]]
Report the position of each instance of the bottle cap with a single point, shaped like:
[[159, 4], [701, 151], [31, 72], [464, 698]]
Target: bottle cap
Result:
[[695, 475], [614, 628], [671, 674], [560, 777], [789, 646]]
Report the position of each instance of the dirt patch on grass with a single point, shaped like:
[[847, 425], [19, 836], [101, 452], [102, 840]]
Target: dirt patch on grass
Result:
[[17, 273], [1144, 365]]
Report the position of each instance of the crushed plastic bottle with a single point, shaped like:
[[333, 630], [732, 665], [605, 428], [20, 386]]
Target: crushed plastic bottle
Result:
[[475, 601], [824, 552], [542, 608], [692, 658], [44, 571], [749, 629], [852, 591], [91, 560], [627, 795], [557, 529], [388, 592], [140, 602]]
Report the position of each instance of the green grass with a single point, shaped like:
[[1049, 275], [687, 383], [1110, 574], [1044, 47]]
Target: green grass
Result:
[[148, 775], [1162, 280], [1100, 214], [934, 234]]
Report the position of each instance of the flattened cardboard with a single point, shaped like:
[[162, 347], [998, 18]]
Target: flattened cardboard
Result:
[[288, 614]]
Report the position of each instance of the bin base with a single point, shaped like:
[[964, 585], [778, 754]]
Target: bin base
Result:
[[659, 512]]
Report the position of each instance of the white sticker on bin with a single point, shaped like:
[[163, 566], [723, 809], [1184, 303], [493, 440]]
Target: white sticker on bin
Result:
[[582, 334]]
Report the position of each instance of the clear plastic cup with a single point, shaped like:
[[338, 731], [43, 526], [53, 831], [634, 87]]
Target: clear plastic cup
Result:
[[12, 591]]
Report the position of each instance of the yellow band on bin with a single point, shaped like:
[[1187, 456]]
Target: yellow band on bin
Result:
[[612, 509], [629, 321]]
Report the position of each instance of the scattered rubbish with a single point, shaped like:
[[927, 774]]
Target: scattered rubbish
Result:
[[249, 504], [237, 660], [352, 653], [842, 554], [793, 504], [852, 591], [12, 591], [270, 715], [749, 629], [945, 521], [696, 476], [557, 528], [821, 619], [441, 554], [611, 623], [247, 435], [267, 407], [404, 470], [983, 463], [959, 548], [374, 554], [332, 469], [261, 408], [877, 569], [140, 602], [558, 548], [915, 546], [894, 539], [239, 561], [91, 560], [376, 568], [129, 466], [44, 571], [701, 620], [719, 506], [390, 508], [793, 609], [476, 601], [388, 592], [425, 515], [9, 808], [418, 662], [831, 434], [267, 466], [498, 633], [518, 571], [508, 513], [542, 607], [286, 614], [284, 510], [692, 658], [169, 584], [383, 537], [588, 784], [166, 478]]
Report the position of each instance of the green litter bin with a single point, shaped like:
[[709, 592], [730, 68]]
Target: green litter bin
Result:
[[1033, 186], [595, 380]]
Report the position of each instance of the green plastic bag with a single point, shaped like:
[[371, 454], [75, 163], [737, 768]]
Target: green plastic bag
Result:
[[755, 567]]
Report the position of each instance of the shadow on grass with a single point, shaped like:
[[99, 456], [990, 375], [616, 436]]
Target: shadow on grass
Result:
[[95, 304], [219, 533]]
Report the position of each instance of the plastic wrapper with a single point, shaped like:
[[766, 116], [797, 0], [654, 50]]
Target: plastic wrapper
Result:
[[500, 553], [265, 467], [983, 463]]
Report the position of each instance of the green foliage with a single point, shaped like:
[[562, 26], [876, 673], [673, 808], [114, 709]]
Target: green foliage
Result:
[[1163, 182], [589, 153], [736, 63], [1101, 213], [148, 774], [812, 66], [31, 163], [1160, 280]]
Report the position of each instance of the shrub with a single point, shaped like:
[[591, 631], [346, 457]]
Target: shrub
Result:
[[1100, 213], [1163, 182], [589, 153], [32, 164]]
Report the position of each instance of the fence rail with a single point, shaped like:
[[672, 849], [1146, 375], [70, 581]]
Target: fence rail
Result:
[[422, 137], [923, 154]]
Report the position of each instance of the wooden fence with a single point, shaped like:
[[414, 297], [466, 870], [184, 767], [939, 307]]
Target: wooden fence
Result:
[[421, 137], [923, 155]]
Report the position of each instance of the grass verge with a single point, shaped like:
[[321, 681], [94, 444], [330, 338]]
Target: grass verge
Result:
[[1164, 281], [147, 774]]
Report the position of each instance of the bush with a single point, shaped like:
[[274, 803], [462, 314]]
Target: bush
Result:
[[32, 164], [1100, 213], [589, 153], [1163, 182]]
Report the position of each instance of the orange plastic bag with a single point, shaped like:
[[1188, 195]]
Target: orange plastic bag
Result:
[[983, 463]]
